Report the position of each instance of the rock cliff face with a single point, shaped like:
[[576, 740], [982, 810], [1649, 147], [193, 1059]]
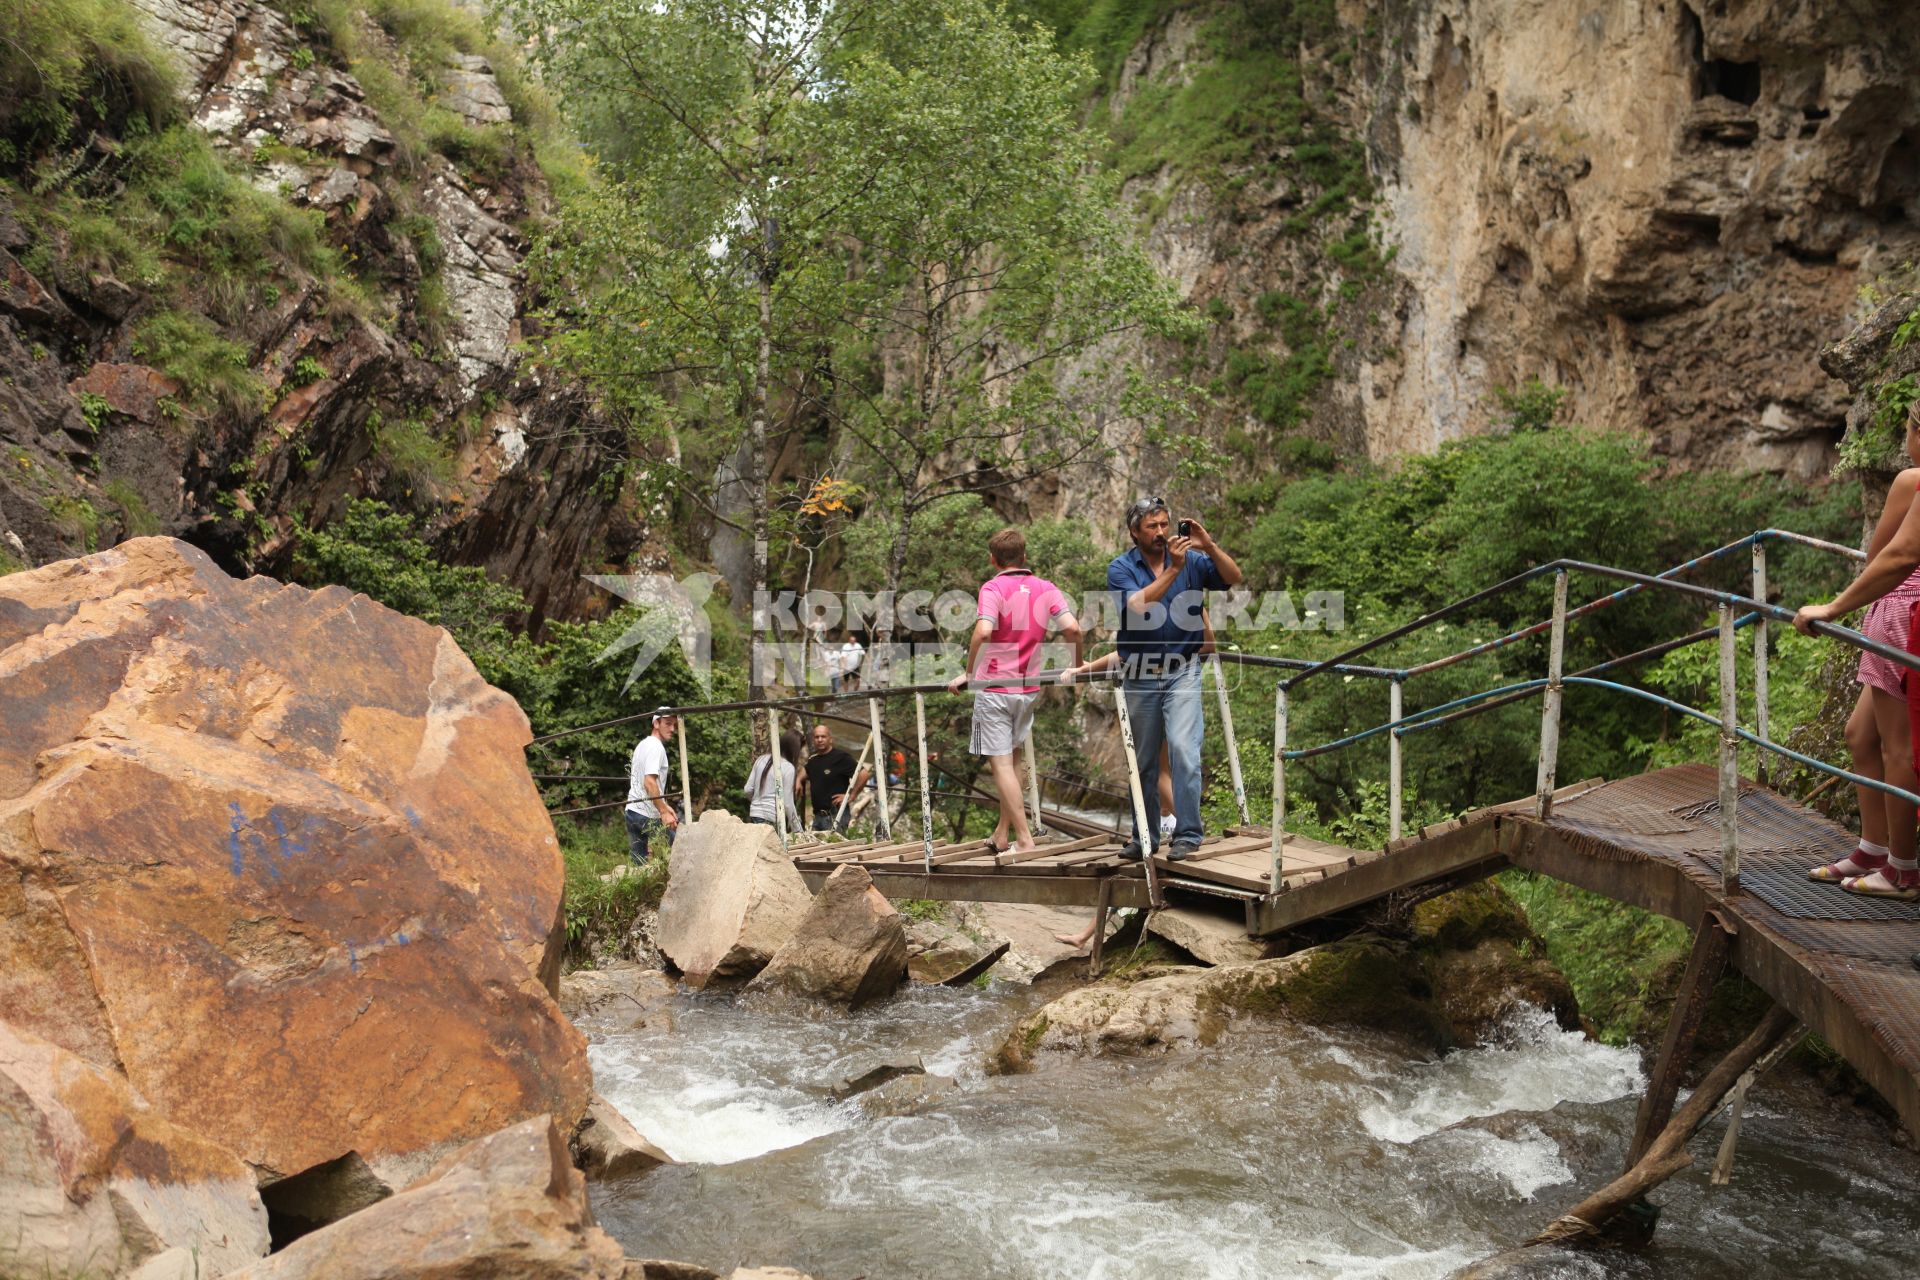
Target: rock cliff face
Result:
[[1668, 208], [398, 378], [1665, 207]]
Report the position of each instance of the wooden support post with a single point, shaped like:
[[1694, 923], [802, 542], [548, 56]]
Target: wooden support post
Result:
[[686, 785], [885, 820], [1033, 785], [1586, 1221], [773, 756], [1729, 760], [1233, 747], [1395, 794], [926, 783], [846, 798], [1683, 1025], [1760, 661], [1142, 835], [1103, 905], [1737, 1104], [1279, 836], [1550, 704]]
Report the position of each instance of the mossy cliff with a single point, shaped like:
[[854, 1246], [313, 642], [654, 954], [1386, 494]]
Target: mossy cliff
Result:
[[263, 259]]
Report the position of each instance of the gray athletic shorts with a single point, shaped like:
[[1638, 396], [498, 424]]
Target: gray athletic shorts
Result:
[[1001, 721]]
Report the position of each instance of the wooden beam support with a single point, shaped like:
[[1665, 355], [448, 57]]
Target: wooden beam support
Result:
[[1587, 1221], [1710, 946], [1101, 907]]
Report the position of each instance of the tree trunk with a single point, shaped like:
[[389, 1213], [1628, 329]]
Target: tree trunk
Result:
[[896, 569], [759, 466]]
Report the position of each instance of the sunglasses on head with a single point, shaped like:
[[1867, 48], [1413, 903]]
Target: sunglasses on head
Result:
[[1144, 508]]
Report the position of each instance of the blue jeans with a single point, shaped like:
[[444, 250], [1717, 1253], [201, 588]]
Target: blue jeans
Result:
[[640, 829], [1169, 709]]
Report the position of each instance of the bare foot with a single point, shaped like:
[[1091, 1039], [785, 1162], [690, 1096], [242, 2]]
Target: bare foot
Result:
[[1076, 941]]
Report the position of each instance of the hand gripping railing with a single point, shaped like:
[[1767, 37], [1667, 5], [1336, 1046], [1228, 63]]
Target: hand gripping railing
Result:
[[1736, 611]]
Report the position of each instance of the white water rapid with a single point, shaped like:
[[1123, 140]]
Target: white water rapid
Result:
[[1280, 1152]]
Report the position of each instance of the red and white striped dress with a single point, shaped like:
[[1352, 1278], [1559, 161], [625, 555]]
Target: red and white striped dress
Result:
[[1889, 620]]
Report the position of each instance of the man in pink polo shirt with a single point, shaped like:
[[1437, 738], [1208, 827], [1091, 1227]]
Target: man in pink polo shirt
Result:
[[1016, 610]]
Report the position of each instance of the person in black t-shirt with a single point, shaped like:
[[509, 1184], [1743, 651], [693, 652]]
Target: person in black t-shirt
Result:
[[829, 771]]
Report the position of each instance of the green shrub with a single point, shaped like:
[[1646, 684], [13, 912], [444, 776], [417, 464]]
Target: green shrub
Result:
[[1618, 959], [76, 519], [213, 370], [411, 451], [67, 66], [599, 912], [136, 517], [305, 372]]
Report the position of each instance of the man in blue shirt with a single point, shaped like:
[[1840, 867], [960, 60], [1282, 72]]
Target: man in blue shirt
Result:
[[1161, 588]]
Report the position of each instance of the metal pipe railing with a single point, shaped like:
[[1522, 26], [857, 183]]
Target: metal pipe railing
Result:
[[1757, 612]]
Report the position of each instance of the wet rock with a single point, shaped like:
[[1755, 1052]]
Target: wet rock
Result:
[[1365, 983], [875, 1076], [1484, 963], [733, 899], [94, 1182], [944, 955], [621, 990], [906, 1095], [341, 886], [850, 947], [1210, 937], [607, 1146], [660, 1269], [511, 1204]]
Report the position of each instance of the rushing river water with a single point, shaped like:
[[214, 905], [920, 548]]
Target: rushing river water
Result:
[[1279, 1152]]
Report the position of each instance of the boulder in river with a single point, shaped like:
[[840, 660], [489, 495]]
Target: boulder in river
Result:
[[511, 1204], [607, 1146], [92, 1182], [733, 899], [274, 855], [945, 955], [1366, 983], [1211, 937], [851, 947], [1484, 962]]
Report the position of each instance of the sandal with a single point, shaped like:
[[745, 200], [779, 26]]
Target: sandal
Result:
[[1857, 863], [998, 849], [1898, 883]]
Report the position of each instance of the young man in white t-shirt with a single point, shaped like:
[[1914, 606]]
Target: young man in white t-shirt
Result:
[[647, 809]]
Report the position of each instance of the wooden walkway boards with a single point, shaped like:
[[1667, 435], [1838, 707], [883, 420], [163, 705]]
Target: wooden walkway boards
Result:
[[1075, 871]]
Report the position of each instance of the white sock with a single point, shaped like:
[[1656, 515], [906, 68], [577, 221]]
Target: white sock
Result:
[[1911, 864], [1877, 850]]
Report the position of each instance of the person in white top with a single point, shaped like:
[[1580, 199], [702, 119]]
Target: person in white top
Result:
[[850, 654], [647, 809], [762, 787]]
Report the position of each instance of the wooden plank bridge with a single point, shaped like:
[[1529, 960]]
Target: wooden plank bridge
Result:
[[1838, 963]]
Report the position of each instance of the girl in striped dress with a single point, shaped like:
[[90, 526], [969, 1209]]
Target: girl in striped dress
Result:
[[1879, 735]]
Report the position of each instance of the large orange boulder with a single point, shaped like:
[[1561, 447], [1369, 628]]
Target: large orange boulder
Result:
[[510, 1206], [92, 1182], [274, 855]]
